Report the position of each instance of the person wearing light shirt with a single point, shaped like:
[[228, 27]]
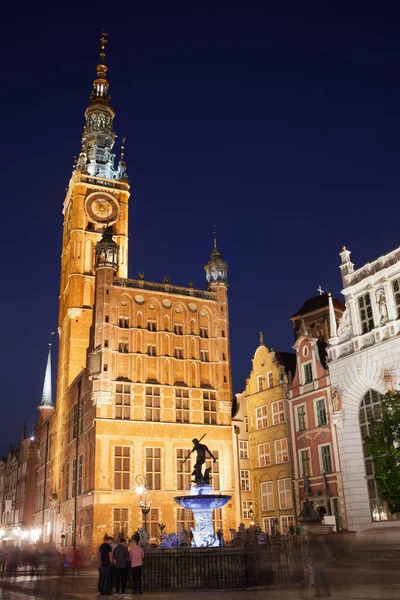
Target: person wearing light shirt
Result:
[[136, 555]]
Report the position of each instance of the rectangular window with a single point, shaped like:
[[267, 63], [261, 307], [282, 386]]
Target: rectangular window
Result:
[[285, 494], [122, 401], [287, 522], [123, 347], [365, 311], [80, 474], [214, 466], [74, 477], [245, 480], [246, 424], [301, 418], [281, 451], [264, 456], [321, 412], [269, 525], [122, 467], [267, 495], [123, 322], [151, 349], [209, 408], [261, 417], [396, 294], [178, 329], [204, 332], [67, 482], [243, 449], [308, 375], [184, 519], [326, 459], [305, 463], [121, 522], [152, 403], [247, 509], [153, 519], [183, 469], [278, 412], [204, 355], [182, 405], [153, 468], [178, 353], [151, 326], [217, 519], [260, 383], [270, 379]]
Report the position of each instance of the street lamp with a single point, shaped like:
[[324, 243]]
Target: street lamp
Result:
[[141, 488]]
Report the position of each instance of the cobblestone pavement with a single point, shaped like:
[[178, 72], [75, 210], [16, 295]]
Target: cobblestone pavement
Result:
[[84, 586]]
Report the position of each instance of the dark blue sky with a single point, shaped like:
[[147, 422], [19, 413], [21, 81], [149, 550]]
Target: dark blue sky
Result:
[[280, 125]]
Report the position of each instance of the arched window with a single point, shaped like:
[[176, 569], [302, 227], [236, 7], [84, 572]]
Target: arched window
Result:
[[88, 256], [370, 410]]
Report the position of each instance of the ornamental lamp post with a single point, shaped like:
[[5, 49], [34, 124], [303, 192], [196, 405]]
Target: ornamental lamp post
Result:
[[141, 488]]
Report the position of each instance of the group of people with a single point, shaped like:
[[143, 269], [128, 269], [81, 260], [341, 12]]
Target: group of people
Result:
[[35, 560], [117, 562]]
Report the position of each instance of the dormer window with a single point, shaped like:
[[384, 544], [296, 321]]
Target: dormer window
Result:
[[308, 374]]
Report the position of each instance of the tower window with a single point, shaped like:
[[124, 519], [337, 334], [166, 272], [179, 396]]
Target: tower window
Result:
[[223, 333], [178, 329], [105, 343], [209, 408], [182, 405], [151, 350], [204, 332], [204, 355], [178, 353], [105, 367], [151, 326], [123, 322], [152, 403], [107, 318], [123, 401], [123, 347]]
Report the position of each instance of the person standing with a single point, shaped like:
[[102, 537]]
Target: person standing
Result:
[[121, 558], [136, 555], [105, 560], [317, 557]]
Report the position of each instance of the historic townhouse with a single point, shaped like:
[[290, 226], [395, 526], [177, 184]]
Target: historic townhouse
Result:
[[241, 457], [270, 455], [316, 464], [143, 367], [364, 363]]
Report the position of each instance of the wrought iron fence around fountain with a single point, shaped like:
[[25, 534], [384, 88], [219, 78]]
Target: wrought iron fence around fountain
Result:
[[228, 567]]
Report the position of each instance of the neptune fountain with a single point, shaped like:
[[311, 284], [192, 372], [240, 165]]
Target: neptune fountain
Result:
[[202, 501]]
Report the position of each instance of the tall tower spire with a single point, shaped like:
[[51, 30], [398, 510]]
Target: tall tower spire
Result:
[[46, 405], [96, 157], [216, 269]]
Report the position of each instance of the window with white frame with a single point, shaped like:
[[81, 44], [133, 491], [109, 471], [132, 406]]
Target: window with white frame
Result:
[[204, 332], [183, 469], [264, 455], [151, 326], [365, 312], [152, 521], [269, 525], [182, 405], [245, 480], [278, 412], [178, 329], [217, 519], [281, 450], [308, 374], [178, 353], [246, 424], [121, 521], [301, 417], [261, 417], [122, 467], [210, 408], [184, 519], [204, 356], [287, 521], [152, 403], [320, 410], [243, 449], [396, 294], [305, 462], [247, 509], [122, 401], [152, 349], [326, 458], [260, 383], [270, 379], [153, 468], [267, 495], [285, 494]]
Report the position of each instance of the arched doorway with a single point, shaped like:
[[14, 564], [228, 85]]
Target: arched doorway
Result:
[[370, 410]]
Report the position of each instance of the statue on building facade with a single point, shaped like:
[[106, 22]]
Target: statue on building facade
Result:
[[382, 306]]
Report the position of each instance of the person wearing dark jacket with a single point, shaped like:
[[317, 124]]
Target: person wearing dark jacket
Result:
[[121, 559]]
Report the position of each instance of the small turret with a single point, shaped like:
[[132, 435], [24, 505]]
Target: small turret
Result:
[[107, 251], [216, 269], [346, 267], [46, 405]]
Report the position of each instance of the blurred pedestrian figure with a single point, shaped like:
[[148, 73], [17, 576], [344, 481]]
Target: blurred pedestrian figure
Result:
[[318, 554], [105, 556], [121, 558], [136, 555]]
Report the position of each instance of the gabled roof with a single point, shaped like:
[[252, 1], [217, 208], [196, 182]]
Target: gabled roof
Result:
[[317, 303]]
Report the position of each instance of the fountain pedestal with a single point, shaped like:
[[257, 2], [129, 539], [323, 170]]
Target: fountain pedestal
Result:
[[202, 502]]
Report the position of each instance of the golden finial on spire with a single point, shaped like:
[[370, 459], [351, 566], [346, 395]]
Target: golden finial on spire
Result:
[[261, 338], [215, 235], [103, 42]]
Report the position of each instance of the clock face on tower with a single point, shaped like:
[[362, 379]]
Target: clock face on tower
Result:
[[101, 207]]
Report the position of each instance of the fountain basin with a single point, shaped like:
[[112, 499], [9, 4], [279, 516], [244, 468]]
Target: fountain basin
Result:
[[202, 503]]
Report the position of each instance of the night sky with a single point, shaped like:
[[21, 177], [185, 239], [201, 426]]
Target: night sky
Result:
[[281, 126]]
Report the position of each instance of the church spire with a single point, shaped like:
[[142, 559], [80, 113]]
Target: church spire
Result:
[[47, 401], [96, 157], [216, 269]]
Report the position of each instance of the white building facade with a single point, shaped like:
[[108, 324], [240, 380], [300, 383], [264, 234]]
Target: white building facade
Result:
[[364, 363]]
